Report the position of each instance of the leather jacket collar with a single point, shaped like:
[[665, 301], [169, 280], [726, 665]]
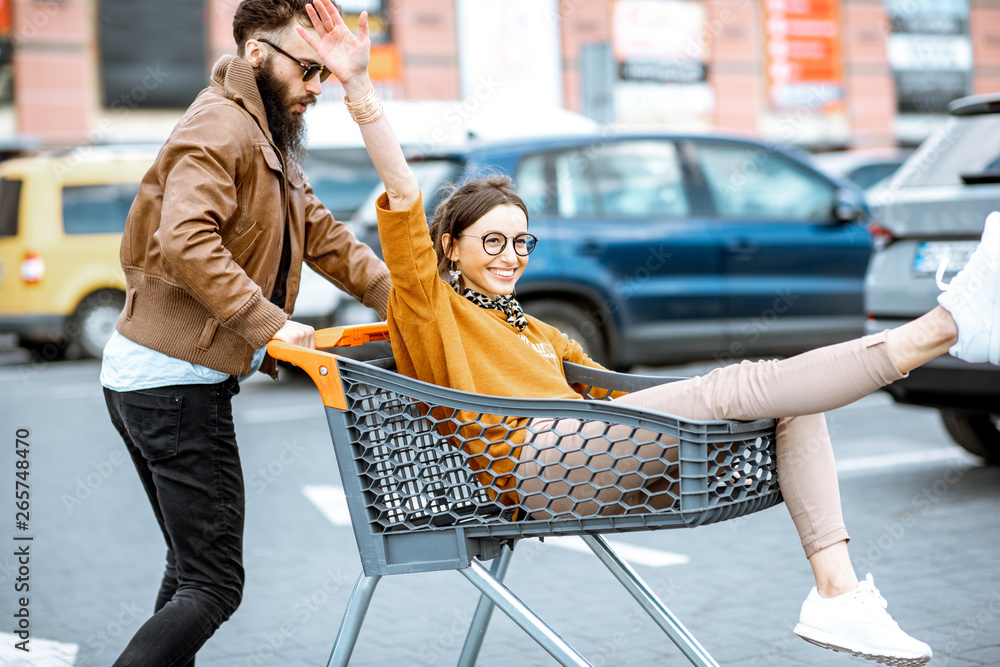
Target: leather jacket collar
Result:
[[237, 78]]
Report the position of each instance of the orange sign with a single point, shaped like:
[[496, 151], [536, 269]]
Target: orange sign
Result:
[[803, 57], [5, 21], [384, 64]]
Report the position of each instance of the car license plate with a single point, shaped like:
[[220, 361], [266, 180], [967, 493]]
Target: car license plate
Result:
[[930, 254]]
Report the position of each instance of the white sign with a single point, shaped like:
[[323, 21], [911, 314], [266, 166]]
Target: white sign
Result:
[[930, 52], [358, 6], [645, 104], [651, 29], [508, 53]]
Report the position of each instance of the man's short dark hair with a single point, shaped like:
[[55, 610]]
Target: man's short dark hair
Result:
[[267, 18]]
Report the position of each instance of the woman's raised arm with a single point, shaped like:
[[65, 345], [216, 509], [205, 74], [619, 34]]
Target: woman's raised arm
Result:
[[346, 56]]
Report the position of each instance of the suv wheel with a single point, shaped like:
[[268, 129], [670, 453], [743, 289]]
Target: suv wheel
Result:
[[94, 322], [976, 432], [575, 323]]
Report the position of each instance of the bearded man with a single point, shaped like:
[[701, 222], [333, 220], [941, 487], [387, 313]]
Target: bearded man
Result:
[[212, 254]]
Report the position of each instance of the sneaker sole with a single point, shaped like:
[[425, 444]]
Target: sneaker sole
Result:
[[834, 643]]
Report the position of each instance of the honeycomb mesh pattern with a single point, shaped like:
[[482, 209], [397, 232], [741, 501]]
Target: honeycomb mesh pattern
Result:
[[430, 457]]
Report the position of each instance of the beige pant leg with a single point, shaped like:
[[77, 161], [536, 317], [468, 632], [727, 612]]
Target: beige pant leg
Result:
[[795, 391]]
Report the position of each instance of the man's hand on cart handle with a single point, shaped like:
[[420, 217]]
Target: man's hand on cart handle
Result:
[[296, 333]]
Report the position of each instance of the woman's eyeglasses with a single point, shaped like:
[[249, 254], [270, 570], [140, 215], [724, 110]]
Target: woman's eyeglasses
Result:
[[494, 243], [308, 71]]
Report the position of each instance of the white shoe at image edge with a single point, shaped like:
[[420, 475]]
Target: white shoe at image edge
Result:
[[973, 299], [858, 623]]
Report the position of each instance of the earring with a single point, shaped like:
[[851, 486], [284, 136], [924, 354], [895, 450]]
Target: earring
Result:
[[455, 275]]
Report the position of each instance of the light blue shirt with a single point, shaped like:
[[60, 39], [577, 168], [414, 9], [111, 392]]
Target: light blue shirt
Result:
[[128, 366]]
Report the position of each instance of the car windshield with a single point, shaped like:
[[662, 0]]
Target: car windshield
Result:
[[965, 146], [431, 175]]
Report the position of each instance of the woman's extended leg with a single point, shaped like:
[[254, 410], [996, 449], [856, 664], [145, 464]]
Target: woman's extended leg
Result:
[[839, 613]]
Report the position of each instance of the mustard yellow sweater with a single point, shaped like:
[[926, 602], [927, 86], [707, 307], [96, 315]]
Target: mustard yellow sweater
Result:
[[439, 336]]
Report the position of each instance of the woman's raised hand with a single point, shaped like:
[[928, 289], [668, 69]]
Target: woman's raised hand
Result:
[[346, 55]]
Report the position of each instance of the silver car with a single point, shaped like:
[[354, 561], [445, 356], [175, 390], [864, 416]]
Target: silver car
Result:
[[930, 212]]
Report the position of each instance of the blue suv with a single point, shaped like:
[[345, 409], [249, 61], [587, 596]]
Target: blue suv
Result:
[[657, 248]]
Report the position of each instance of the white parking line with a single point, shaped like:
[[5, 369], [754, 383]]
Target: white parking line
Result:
[[42, 653], [883, 461], [633, 554], [291, 413], [331, 501]]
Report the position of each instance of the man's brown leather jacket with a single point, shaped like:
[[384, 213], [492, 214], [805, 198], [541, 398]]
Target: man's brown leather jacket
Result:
[[203, 239]]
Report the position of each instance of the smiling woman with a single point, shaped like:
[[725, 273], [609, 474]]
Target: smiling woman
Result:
[[486, 262]]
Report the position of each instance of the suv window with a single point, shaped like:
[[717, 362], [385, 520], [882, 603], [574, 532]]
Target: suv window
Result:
[[966, 145], [626, 179], [97, 209], [532, 184], [433, 178], [10, 206], [752, 183]]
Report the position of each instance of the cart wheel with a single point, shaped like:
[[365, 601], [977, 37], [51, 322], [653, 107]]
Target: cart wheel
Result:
[[575, 323], [976, 432], [94, 322]]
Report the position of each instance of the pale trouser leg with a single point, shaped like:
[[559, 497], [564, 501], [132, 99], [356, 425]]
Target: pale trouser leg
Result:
[[796, 391]]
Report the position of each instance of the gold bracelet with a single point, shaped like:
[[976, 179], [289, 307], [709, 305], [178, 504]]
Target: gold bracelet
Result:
[[366, 110]]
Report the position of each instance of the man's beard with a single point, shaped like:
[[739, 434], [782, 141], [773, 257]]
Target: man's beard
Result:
[[288, 129]]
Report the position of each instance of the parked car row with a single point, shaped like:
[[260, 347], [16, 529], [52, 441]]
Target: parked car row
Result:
[[655, 248], [660, 248]]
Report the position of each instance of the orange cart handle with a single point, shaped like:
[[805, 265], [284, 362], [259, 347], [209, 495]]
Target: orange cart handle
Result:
[[322, 366], [352, 336]]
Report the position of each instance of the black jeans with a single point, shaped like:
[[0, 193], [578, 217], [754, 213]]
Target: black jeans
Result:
[[183, 444]]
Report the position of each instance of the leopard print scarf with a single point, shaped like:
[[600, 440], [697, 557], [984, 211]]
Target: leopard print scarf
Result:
[[507, 304]]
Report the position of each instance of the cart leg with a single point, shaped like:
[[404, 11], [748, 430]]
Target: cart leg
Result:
[[670, 624], [354, 616], [484, 610], [523, 616]]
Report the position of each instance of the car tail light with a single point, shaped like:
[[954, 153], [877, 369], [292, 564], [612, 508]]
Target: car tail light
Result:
[[32, 268], [881, 236]]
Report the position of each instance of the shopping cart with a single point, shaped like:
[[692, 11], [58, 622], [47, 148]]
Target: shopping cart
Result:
[[428, 488]]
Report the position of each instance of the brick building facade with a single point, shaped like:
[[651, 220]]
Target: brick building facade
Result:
[[57, 96]]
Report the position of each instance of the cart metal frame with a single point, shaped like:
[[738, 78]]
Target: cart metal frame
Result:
[[423, 495]]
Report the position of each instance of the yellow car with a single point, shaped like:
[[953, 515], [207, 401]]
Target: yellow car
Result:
[[61, 221]]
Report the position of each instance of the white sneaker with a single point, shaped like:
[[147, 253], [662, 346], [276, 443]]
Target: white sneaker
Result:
[[857, 623], [973, 299]]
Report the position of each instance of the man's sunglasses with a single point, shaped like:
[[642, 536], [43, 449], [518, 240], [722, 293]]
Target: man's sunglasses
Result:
[[308, 71]]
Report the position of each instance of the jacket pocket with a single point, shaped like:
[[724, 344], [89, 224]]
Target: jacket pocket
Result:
[[272, 159], [242, 241], [153, 423]]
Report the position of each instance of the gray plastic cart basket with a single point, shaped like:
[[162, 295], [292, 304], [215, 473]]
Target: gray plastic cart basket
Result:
[[432, 480]]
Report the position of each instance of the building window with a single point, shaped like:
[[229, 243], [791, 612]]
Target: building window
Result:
[[152, 52]]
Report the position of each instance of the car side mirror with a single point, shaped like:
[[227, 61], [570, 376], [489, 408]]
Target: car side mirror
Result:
[[850, 206]]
